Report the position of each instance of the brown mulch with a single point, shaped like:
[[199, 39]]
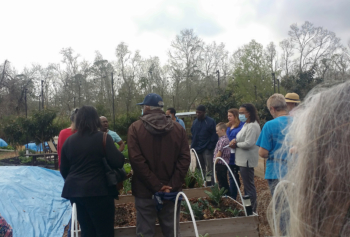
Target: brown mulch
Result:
[[125, 214], [263, 200]]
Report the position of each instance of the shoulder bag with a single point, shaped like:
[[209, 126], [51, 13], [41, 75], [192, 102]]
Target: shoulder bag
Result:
[[114, 176]]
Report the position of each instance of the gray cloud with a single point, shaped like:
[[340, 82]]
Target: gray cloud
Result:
[[280, 14], [189, 16]]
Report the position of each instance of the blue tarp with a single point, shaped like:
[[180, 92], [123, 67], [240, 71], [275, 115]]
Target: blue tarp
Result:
[[30, 201], [3, 143], [35, 147]]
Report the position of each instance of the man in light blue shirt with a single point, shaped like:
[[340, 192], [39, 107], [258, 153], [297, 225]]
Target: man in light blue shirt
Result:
[[271, 139], [116, 138], [172, 112]]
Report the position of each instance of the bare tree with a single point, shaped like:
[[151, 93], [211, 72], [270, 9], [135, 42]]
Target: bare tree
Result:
[[185, 56], [313, 44], [287, 47]]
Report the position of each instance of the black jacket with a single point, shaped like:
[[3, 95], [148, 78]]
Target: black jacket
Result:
[[204, 134], [82, 167]]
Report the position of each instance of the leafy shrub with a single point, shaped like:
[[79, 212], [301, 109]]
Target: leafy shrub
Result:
[[206, 205], [125, 151], [234, 212], [127, 186], [127, 168], [216, 194], [7, 147], [205, 235], [22, 152], [199, 178], [189, 178], [196, 209], [24, 159], [123, 122]]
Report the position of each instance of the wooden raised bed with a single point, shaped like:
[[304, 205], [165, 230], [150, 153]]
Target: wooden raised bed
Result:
[[190, 193], [226, 227]]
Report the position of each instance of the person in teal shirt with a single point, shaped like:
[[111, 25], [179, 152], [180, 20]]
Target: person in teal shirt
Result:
[[171, 112], [116, 138], [271, 139]]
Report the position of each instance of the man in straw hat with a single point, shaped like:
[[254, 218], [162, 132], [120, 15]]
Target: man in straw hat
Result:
[[292, 100]]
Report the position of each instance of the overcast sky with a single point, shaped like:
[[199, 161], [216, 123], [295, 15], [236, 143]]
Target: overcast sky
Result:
[[34, 31]]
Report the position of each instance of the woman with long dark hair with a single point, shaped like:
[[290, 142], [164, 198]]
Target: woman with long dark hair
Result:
[[85, 176], [247, 156]]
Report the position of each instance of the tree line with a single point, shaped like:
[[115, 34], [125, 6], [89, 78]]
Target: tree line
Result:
[[194, 73]]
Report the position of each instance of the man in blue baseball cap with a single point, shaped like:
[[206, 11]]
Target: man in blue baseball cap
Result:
[[160, 157]]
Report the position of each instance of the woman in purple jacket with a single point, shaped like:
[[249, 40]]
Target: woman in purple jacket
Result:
[[233, 127]]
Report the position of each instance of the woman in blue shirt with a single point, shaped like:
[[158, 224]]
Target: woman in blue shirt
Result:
[[234, 125]]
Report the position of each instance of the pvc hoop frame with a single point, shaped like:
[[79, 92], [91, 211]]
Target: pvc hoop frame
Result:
[[274, 202], [205, 180], [191, 212], [228, 167], [74, 229]]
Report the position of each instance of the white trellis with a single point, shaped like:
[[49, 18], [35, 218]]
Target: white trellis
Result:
[[228, 167], [191, 212], [195, 153], [75, 228]]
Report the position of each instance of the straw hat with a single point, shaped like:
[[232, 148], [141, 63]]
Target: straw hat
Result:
[[292, 98]]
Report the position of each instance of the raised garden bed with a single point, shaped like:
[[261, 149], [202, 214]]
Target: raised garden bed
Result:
[[228, 220], [126, 219], [225, 227], [214, 215]]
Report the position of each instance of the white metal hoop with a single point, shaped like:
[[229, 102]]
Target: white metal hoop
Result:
[[205, 181], [75, 228], [228, 167], [189, 207]]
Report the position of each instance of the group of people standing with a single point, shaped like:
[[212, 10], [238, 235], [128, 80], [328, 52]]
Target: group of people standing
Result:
[[160, 157], [240, 142], [309, 157]]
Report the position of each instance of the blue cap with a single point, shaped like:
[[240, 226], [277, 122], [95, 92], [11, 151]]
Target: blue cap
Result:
[[153, 99]]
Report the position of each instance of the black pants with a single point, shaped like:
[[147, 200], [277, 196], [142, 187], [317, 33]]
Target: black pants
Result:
[[221, 174], [247, 175], [233, 186], [206, 160], [95, 216]]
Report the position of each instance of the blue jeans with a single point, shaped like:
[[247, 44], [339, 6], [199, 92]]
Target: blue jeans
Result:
[[233, 187]]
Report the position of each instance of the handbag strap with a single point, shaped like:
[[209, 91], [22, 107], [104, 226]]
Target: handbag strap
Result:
[[104, 161], [104, 143]]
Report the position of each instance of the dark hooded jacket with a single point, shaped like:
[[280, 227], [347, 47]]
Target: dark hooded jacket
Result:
[[159, 154]]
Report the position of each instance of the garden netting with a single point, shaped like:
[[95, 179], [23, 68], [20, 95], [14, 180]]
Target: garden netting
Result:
[[31, 202]]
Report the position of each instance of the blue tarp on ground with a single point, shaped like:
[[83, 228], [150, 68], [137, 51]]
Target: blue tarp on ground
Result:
[[3, 143], [35, 147], [30, 201]]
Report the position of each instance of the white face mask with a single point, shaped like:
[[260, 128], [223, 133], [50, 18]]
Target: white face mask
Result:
[[141, 112]]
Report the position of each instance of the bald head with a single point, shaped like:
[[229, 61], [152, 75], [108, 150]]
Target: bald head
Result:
[[104, 124]]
